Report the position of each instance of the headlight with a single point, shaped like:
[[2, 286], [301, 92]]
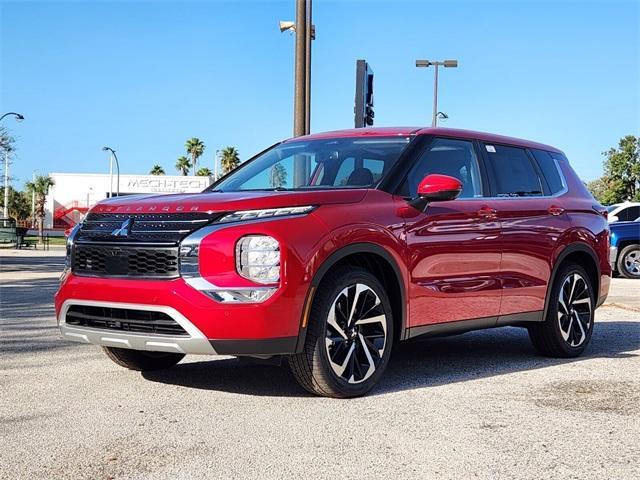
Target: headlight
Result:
[[265, 213], [258, 258]]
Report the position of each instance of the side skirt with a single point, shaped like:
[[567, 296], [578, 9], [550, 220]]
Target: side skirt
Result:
[[462, 326]]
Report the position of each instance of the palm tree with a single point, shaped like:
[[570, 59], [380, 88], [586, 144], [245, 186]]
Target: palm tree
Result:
[[195, 148], [157, 170], [39, 187], [229, 160], [204, 172], [183, 165]]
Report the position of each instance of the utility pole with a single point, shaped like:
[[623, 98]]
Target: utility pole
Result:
[[309, 34], [5, 210], [300, 88]]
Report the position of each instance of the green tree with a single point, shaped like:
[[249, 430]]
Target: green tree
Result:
[[204, 172], [157, 170], [183, 165], [622, 171], [597, 188], [40, 188], [19, 204], [278, 176], [229, 159], [195, 148]]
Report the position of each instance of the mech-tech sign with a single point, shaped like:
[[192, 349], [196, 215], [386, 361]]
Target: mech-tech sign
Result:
[[74, 193], [161, 184]]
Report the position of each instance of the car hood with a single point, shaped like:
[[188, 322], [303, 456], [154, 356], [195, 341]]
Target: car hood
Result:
[[225, 202]]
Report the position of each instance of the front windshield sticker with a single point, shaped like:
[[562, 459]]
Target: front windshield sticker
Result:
[[491, 148]]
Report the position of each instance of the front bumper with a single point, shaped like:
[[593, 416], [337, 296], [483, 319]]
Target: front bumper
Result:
[[195, 342]]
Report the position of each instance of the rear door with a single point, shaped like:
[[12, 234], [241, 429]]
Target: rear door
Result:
[[530, 212], [453, 246]]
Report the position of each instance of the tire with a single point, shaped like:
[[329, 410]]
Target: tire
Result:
[[568, 326], [342, 359], [628, 264], [142, 361]]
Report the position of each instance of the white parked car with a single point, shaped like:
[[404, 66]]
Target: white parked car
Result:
[[624, 212]]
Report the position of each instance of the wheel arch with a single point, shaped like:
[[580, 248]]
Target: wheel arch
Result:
[[381, 264], [583, 255]]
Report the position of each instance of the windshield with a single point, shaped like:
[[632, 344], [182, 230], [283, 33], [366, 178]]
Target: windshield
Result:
[[611, 208], [355, 162]]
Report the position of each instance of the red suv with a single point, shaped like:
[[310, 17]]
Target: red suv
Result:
[[329, 249]]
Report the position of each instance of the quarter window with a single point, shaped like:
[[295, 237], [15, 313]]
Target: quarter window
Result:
[[549, 169], [513, 171], [445, 156]]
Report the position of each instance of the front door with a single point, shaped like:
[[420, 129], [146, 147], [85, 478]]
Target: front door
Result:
[[454, 247]]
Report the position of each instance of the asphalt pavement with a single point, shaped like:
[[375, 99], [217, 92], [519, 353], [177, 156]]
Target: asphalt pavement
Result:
[[478, 405]]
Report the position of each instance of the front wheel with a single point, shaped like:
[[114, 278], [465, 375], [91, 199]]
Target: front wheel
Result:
[[567, 329], [141, 360], [349, 338], [629, 261]]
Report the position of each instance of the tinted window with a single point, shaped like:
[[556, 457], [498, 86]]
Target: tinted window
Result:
[[513, 172], [455, 158], [549, 169], [628, 214]]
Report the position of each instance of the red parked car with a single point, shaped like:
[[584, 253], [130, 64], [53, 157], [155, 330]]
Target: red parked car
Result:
[[330, 248]]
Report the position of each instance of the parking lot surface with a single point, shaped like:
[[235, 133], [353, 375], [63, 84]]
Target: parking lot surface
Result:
[[478, 405]]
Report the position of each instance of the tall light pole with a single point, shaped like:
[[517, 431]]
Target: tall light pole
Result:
[[19, 117], [428, 63], [305, 32], [113, 157], [5, 211]]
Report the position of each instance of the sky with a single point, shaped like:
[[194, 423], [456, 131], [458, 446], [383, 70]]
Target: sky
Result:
[[144, 76]]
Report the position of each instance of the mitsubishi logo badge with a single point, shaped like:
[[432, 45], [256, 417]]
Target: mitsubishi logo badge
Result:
[[124, 230]]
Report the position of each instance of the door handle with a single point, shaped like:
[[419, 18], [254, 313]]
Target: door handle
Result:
[[487, 213], [555, 210]]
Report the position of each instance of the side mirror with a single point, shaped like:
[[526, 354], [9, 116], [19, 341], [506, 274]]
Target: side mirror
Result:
[[436, 188]]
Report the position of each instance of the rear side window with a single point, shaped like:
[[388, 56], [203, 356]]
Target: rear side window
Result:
[[513, 172], [549, 169], [628, 214]]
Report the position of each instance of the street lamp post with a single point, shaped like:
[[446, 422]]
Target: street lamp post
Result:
[[19, 117], [5, 211], [113, 157], [428, 63]]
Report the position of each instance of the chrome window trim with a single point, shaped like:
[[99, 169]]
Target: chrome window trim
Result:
[[565, 189]]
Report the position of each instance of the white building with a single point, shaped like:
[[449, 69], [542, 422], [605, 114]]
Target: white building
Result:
[[74, 193]]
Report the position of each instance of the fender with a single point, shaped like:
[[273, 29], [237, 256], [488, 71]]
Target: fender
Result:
[[334, 258], [571, 248]]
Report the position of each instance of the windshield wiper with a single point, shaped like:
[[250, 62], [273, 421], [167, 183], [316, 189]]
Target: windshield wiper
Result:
[[526, 193]]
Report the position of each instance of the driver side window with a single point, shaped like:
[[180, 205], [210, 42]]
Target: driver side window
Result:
[[446, 156]]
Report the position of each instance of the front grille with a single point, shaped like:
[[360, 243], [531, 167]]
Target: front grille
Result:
[[146, 227], [125, 261], [124, 320]]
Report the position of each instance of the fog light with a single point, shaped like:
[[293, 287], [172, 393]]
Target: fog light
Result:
[[258, 258]]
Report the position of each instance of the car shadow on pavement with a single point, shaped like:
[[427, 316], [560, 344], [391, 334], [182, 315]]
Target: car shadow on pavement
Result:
[[415, 364]]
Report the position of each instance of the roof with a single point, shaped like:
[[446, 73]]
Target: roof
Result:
[[442, 132]]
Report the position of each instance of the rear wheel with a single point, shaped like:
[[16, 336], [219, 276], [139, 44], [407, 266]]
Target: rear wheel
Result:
[[568, 326], [349, 338], [141, 360], [629, 261]]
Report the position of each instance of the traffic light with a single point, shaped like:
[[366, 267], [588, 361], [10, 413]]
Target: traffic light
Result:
[[364, 95]]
